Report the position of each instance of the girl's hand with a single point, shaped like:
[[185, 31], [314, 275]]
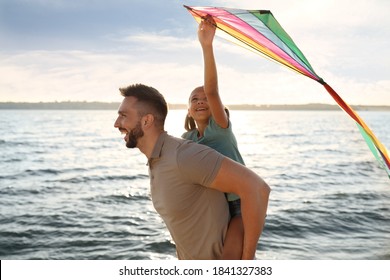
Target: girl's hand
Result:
[[206, 31]]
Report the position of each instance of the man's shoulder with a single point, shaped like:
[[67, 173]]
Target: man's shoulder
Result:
[[185, 147], [170, 139], [174, 145]]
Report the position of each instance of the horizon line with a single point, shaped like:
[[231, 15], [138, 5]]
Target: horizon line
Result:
[[180, 104], [102, 105]]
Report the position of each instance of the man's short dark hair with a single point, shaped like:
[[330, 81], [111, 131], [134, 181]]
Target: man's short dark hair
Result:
[[149, 101]]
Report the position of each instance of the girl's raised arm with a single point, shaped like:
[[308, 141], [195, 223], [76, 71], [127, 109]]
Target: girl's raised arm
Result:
[[206, 33]]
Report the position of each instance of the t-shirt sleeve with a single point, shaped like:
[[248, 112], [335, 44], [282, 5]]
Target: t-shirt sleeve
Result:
[[188, 135], [198, 163], [214, 126]]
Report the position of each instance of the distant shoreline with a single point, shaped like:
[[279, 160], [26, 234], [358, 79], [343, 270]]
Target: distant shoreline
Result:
[[70, 105]]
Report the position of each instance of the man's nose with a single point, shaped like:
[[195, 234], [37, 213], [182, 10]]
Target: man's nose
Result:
[[116, 123]]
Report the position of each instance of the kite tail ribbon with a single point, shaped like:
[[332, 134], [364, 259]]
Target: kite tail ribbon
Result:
[[376, 147]]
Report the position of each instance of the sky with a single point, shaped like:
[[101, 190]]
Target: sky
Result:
[[85, 50]]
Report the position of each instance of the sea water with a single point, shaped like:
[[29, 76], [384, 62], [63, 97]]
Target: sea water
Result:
[[70, 189]]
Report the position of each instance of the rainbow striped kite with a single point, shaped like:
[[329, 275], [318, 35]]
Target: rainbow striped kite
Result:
[[259, 31]]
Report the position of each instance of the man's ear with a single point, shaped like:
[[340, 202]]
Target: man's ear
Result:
[[147, 121]]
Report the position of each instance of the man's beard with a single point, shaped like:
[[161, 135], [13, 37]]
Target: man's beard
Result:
[[134, 135]]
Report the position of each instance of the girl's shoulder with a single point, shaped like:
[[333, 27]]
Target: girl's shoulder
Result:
[[189, 135], [213, 125]]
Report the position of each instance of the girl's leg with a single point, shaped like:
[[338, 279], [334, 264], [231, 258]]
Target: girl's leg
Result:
[[232, 249]]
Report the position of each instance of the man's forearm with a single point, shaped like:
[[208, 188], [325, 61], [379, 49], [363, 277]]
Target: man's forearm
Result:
[[254, 210]]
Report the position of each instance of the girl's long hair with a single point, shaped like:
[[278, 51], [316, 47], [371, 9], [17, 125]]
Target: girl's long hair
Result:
[[189, 122]]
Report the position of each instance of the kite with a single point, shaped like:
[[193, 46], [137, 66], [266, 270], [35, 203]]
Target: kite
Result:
[[259, 31]]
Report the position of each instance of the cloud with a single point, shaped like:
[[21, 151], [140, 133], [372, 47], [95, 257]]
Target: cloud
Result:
[[158, 42], [78, 75]]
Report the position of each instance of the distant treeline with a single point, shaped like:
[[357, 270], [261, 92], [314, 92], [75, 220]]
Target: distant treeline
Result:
[[67, 105], [84, 105]]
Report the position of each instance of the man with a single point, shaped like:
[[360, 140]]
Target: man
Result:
[[188, 180]]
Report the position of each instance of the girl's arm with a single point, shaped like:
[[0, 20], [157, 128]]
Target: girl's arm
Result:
[[206, 33]]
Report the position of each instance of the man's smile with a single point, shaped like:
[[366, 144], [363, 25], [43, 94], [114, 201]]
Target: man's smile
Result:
[[126, 132]]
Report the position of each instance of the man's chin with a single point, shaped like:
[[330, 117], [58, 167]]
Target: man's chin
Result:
[[131, 144]]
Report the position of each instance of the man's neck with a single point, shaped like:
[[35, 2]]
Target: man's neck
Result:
[[147, 143]]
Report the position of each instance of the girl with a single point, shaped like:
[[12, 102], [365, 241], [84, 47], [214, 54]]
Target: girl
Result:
[[208, 123]]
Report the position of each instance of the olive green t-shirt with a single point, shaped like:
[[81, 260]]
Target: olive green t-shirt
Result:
[[196, 216]]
